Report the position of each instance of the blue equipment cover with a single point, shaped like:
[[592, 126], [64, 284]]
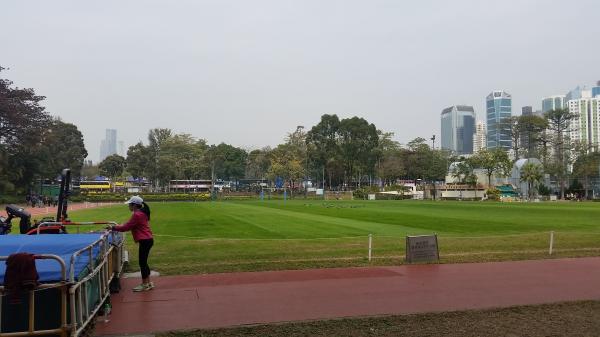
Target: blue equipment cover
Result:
[[63, 245]]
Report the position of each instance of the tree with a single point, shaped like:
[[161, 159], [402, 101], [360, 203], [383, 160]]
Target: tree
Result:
[[112, 166], [389, 164], [21, 115], [183, 157], [417, 157], [585, 167], [227, 162], [358, 142], [559, 124], [62, 147], [533, 174], [138, 160], [285, 165], [156, 139], [322, 139], [515, 133], [22, 122], [492, 161], [258, 163], [532, 132], [464, 172]]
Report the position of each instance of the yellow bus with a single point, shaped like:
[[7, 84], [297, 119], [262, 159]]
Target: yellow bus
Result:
[[94, 186]]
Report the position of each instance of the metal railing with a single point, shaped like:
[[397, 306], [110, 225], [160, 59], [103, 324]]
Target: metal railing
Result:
[[82, 307], [63, 285]]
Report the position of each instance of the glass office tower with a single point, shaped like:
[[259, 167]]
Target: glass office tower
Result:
[[499, 111], [458, 129]]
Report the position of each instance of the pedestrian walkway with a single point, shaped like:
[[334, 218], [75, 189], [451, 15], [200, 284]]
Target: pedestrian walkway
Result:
[[221, 300]]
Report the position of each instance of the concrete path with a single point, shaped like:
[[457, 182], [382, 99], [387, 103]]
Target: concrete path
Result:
[[221, 300]]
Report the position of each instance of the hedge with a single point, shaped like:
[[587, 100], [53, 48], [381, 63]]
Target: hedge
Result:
[[109, 197]]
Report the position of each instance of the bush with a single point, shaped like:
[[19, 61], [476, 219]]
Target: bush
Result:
[[363, 192], [493, 194], [12, 199], [150, 197], [543, 190]]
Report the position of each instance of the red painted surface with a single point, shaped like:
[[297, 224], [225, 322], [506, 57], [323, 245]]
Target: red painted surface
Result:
[[38, 212], [219, 300]]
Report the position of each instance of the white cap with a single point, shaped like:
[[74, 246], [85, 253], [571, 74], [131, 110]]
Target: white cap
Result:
[[135, 200]]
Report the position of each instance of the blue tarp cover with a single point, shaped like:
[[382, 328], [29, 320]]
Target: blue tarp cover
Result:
[[63, 245]]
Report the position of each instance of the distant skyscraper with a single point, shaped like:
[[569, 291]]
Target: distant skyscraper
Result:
[[121, 148], [528, 111], [479, 138], [574, 94], [108, 146], [553, 103], [596, 90], [499, 111], [585, 128], [458, 128]]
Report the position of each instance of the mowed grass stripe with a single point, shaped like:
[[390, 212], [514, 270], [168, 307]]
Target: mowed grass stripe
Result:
[[465, 217], [329, 226], [271, 235]]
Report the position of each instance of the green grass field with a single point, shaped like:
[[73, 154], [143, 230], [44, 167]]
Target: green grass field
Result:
[[208, 237]]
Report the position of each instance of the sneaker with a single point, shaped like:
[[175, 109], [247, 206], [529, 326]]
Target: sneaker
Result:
[[143, 287]]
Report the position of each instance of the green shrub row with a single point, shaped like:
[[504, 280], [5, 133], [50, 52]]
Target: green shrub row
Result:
[[363, 192], [12, 199], [147, 197]]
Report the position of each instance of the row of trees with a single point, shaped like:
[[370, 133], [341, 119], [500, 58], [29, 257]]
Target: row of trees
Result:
[[345, 153], [338, 153], [33, 145]]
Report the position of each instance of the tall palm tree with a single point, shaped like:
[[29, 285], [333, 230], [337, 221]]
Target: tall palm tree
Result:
[[533, 175]]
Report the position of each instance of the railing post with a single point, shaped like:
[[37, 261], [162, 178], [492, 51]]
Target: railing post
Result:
[[370, 245]]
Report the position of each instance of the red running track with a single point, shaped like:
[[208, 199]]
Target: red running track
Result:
[[51, 211], [220, 300]]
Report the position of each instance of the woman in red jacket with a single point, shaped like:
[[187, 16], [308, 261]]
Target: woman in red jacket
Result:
[[139, 226]]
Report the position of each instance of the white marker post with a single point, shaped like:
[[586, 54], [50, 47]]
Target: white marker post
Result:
[[551, 242], [370, 245]]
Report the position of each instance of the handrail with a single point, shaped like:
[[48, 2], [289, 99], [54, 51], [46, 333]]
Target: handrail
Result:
[[74, 292], [31, 328], [69, 223], [63, 267]]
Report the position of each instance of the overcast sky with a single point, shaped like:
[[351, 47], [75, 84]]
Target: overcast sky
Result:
[[248, 72]]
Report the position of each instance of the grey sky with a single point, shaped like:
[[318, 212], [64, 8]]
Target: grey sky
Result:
[[248, 72]]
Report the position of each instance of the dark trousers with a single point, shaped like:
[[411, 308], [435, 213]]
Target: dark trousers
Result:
[[144, 251]]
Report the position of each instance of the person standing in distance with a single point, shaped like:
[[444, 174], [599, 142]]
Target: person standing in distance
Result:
[[139, 225]]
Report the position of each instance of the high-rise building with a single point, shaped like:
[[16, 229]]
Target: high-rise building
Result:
[[108, 146], [479, 138], [596, 90], [499, 111], [585, 127], [458, 128], [553, 103], [122, 148], [528, 111], [574, 94]]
